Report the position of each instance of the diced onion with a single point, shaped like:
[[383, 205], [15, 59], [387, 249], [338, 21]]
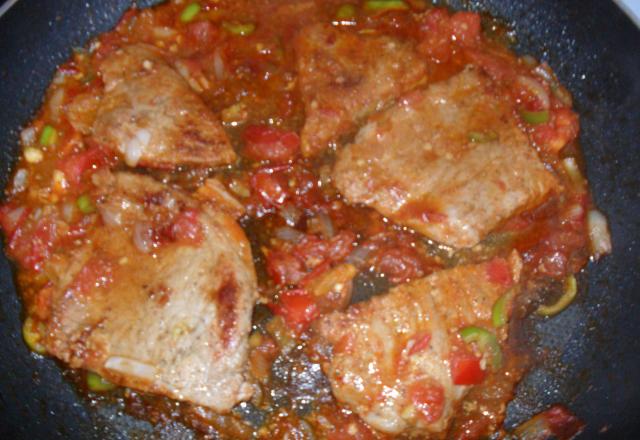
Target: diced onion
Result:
[[359, 255], [67, 212], [218, 65], [536, 89], [571, 167], [163, 32], [20, 180], [598, 234], [135, 146], [290, 214], [14, 216], [288, 234], [545, 72], [55, 103], [142, 237], [28, 136], [130, 367], [33, 155], [110, 216], [322, 223]]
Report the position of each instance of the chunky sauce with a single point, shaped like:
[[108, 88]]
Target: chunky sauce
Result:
[[238, 56]]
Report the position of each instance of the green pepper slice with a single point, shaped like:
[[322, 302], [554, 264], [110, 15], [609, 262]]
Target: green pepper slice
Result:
[[84, 204], [486, 341], [48, 136], [535, 118], [499, 312], [346, 12], [479, 137], [97, 383], [190, 12], [240, 29], [385, 5], [570, 291]]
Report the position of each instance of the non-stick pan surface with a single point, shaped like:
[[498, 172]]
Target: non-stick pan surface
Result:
[[591, 351]]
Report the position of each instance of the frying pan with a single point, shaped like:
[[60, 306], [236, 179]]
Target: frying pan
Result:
[[589, 354]]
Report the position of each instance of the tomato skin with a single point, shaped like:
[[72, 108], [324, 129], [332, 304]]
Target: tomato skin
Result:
[[420, 341], [284, 268], [466, 369], [271, 187], [465, 27], [298, 308], [499, 272], [428, 399], [399, 264], [186, 228], [264, 143]]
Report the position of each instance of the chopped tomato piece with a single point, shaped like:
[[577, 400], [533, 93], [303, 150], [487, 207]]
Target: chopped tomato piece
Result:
[[307, 194], [31, 244], [436, 31], [270, 144], [418, 343], [96, 273], [466, 369], [499, 272], [11, 217], [341, 245], [315, 273], [186, 228], [76, 165], [428, 399], [562, 422], [284, 268], [465, 27], [558, 132], [499, 66], [271, 187], [399, 264], [344, 344], [345, 425], [556, 422], [298, 308], [311, 250], [202, 34]]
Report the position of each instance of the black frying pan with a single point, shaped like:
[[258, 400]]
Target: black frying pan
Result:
[[590, 353]]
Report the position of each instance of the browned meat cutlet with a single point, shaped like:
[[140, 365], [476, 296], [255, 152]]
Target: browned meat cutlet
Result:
[[150, 115], [448, 161], [344, 76], [144, 308], [391, 356]]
